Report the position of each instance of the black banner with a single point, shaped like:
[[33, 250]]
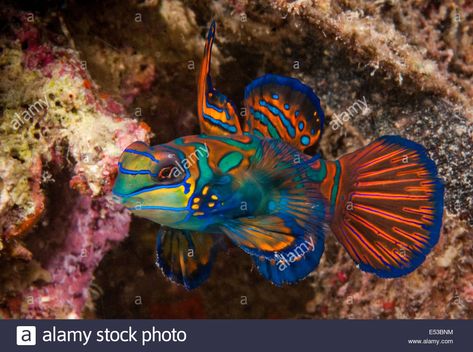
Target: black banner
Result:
[[235, 335]]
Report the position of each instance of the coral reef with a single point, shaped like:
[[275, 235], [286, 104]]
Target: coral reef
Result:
[[410, 61], [57, 134]]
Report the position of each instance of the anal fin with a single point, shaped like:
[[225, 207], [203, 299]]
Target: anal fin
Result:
[[293, 266]]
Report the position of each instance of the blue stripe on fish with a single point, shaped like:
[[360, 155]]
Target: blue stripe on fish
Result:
[[260, 116], [157, 207], [146, 189], [147, 155], [276, 112], [135, 172], [225, 126]]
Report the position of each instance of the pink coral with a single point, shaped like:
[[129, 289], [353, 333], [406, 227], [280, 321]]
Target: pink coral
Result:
[[78, 137], [83, 232]]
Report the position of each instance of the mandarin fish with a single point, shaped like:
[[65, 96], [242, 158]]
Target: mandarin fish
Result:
[[253, 184]]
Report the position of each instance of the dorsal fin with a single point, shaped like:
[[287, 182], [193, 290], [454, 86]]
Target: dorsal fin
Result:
[[216, 112], [283, 108]]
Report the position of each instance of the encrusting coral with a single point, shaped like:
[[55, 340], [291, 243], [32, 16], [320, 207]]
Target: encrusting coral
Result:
[[57, 133]]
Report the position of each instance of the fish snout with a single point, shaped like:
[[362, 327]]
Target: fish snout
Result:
[[117, 199], [132, 203]]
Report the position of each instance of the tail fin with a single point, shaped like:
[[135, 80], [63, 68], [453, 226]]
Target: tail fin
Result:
[[389, 206]]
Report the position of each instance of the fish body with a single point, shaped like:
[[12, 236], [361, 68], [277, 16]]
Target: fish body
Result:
[[214, 182], [221, 179], [255, 185]]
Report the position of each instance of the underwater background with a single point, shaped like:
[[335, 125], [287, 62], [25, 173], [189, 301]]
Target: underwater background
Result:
[[80, 80]]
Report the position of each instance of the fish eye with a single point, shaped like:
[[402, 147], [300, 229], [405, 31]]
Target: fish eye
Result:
[[165, 173], [168, 174]]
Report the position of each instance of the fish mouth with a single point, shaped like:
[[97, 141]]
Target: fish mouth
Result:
[[134, 203], [118, 199]]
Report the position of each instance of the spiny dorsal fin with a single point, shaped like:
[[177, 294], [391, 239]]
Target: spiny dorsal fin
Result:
[[216, 112]]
